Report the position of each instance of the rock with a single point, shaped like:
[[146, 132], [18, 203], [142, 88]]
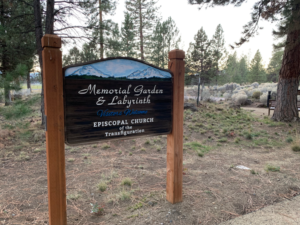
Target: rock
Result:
[[1, 146], [190, 106], [247, 102]]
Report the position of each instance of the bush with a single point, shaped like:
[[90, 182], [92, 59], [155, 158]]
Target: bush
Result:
[[227, 95], [264, 98], [296, 148], [240, 98], [256, 94]]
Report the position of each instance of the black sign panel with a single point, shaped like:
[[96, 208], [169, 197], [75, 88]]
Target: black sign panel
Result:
[[116, 98]]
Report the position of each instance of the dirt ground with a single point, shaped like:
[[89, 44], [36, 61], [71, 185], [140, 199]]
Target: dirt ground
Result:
[[132, 173]]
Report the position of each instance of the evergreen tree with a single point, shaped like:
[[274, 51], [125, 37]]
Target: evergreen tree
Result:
[[200, 59], [17, 49], [144, 17], [165, 37], [114, 46], [89, 52], [231, 70], [257, 72], [243, 69], [101, 28], [287, 13], [157, 46], [218, 50], [73, 57], [274, 65], [76, 56], [128, 37]]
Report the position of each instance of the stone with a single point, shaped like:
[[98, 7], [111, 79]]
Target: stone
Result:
[[190, 106]]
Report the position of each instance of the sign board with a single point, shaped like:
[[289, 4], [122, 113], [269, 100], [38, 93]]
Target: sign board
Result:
[[116, 98]]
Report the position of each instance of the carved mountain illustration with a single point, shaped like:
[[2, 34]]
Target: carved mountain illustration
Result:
[[147, 73], [90, 70]]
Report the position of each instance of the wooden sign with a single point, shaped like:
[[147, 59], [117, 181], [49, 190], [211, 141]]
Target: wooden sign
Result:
[[116, 98], [109, 99]]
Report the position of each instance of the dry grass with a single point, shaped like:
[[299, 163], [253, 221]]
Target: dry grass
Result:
[[213, 189]]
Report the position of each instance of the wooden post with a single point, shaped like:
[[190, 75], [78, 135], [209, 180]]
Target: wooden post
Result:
[[175, 139], [55, 139]]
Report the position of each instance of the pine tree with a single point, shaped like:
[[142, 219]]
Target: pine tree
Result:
[[114, 47], [17, 49], [89, 52], [274, 65], [231, 70], [73, 57], [157, 46], [287, 13], [128, 37], [164, 38], [144, 16], [257, 72], [243, 69], [199, 59], [96, 10], [218, 50]]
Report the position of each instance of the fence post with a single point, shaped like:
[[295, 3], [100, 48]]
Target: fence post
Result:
[[175, 139], [55, 139]]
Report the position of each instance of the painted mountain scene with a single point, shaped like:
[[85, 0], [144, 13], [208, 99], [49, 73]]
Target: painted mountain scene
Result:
[[117, 69]]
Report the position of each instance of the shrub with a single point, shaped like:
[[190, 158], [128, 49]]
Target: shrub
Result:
[[256, 94], [127, 181], [272, 168], [240, 97], [227, 95], [205, 94], [264, 98], [102, 186], [289, 140], [296, 148]]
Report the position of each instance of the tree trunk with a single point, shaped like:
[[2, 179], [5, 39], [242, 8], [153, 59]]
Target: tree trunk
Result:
[[28, 81], [50, 17], [286, 108], [141, 31], [38, 39], [101, 30]]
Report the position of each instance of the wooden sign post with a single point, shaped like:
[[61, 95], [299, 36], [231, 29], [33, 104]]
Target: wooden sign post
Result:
[[106, 100], [175, 139], [55, 136]]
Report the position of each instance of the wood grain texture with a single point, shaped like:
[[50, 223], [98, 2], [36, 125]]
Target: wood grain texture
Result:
[[175, 139], [54, 110]]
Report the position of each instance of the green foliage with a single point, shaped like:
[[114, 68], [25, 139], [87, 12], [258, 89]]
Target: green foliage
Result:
[[257, 72], [274, 65], [296, 148], [256, 94], [17, 50], [199, 148], [126, 181], [199, 56], [124, 195], [144, 16], [128, 36], [102, 186], [15, 111], [289, 139], [165, 37], [272, 168], [101, 28]]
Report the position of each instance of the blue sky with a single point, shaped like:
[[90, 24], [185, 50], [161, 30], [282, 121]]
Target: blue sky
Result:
[[117, 67]]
